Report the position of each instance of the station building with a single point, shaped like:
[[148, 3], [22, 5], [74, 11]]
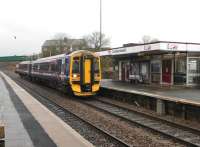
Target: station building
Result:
[[162, 62]]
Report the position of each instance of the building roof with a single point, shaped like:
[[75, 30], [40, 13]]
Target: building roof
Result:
[[154, 46]]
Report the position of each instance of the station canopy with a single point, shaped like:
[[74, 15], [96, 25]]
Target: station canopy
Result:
[[153, 48]]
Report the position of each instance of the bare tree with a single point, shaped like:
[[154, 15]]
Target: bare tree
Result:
[[93, 40], [148, 39]]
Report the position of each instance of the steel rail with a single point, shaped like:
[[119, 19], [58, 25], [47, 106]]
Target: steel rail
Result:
[[142, 124]]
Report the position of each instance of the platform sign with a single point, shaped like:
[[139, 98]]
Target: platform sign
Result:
[[173, 46]]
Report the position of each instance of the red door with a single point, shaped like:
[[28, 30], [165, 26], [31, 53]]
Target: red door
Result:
[[166, 71]]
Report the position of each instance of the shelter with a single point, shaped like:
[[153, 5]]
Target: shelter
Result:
[[161, 62]]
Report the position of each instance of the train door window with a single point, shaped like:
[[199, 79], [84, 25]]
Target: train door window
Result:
[[67, 66], [76, 65], [63, 66], [96, 65], [58, 67]]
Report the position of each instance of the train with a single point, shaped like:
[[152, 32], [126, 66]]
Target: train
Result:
[[78, 72]]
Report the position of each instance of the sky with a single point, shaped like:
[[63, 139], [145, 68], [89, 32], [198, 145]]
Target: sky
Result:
[[123, 21]]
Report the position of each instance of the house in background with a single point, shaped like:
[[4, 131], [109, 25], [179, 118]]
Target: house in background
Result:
[[54, 47]]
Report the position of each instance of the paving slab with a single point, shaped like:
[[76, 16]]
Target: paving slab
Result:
[[15, 132]]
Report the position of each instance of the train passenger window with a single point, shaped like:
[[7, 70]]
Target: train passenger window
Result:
[[76, 66], [44, 67], [53, 67], [96, 65], [35, 67]]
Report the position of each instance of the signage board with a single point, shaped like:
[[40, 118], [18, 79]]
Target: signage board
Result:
[[161, 46]]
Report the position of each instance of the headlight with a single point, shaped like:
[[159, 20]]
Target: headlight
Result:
[[74, 75]]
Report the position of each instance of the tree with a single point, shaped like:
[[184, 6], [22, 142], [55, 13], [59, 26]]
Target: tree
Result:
[[148, 39], [93, 40], [60, 36], [62, 43], [83, 44]]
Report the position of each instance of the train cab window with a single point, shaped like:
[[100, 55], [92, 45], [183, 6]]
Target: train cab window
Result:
[[76, 66], [96, 65]]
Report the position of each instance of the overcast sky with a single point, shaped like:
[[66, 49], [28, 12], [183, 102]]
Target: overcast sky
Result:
[[123, 21]]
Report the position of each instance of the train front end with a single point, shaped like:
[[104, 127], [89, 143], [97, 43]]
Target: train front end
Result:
[[85, 73]]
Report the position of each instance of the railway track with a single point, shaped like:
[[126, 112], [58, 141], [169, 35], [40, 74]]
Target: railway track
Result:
[[72, 118], [185, 135]]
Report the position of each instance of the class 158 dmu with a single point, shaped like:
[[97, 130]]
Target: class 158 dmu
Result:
[[78, 72]]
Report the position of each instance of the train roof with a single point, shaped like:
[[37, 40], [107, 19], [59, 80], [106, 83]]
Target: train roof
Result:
[[25, 62], [83, 51], [52, 58]]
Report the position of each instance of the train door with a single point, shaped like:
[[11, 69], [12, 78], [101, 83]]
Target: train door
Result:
[[166, 71], [87, 71]]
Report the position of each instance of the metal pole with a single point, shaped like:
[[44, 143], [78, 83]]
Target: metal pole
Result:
[[100, 24]]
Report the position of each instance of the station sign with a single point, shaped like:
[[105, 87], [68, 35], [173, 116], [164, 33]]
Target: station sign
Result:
[[121, 50], [172, 46]]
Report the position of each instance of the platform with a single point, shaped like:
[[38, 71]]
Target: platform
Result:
[[28, 123], [178, 94]]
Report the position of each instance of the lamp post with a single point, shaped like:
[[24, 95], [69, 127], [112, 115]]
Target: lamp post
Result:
[[100, 39]]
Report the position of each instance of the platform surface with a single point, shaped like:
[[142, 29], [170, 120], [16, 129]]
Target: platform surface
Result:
[[30, 124], [176, 93]]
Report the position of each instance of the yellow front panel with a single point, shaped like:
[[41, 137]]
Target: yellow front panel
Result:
[[87, 71], [76, 88], [95, 87]]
